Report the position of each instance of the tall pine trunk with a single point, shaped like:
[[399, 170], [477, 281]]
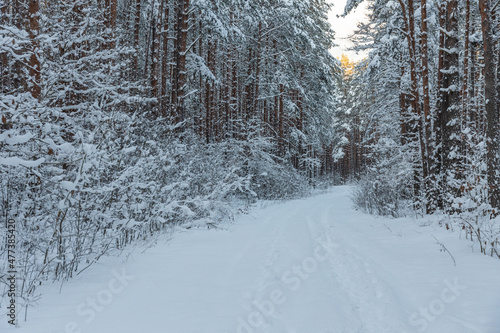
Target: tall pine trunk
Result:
[[465, 89], [418, 128], [137, 26], [34, 63], [165, 72], [180, 41], [426, 101], [449, 108], [4, 60], [490, 95]]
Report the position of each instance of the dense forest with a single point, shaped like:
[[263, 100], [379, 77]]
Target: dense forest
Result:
[[121, 119], [423, 113]]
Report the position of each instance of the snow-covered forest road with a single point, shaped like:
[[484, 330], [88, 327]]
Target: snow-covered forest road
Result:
[[306, 266]]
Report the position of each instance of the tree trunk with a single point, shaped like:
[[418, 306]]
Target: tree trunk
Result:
[[234, 81], [450, 102], [409, 19], [165, 72], [490, 95], [465, 89], [249, 101], [281, 111], [110, 22], [180, 77], [257, 69], [34, 62], [425, 67], [439, 121], [155, 49], [137, 26], [426, 101], [415, 92], [208, 97], [472, 86], [4, 60]]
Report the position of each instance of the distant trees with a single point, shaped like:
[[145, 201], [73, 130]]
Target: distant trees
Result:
[[354, 127]]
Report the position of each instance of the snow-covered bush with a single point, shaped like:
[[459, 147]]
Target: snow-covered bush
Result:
[[76, 199], [470, 210], [385, 187], [376, 193]]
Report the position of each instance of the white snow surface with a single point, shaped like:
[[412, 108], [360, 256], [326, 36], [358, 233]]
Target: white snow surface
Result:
[[314, 265]]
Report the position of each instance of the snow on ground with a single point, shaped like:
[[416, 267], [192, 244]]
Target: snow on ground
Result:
[[306, 266]]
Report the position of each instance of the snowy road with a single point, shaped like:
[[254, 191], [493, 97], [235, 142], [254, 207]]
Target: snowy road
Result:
[[305, 266]]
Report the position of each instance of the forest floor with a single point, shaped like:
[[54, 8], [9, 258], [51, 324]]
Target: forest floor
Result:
[[314, 265]]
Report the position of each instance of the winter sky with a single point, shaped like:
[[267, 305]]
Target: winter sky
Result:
[[344, 27]]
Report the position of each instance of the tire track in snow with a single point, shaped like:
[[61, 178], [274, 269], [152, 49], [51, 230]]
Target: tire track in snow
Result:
[[370, 300]]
